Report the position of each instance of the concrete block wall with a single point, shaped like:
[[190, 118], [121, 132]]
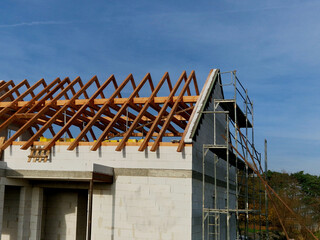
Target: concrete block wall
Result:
[[17, 211], [205, 135], [197, 206], [24, 213], [2, 189], [82, 159], [146, 207], [209, 202], [59, 215], [10, 213], [142, 207], [36, 213]]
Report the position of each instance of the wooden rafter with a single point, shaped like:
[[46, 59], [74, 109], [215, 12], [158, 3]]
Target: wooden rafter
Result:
[[95, 117], [182, 143], [29, 91], [163, 109], [167, 122], [36, 116], [101, 110], [62, 106], [12, 90], [74, 117], [5, 87], [142, 112], [119, 113], [59, 112]]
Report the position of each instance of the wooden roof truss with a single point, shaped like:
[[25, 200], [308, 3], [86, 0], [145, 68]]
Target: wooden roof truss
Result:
[[58, 108]]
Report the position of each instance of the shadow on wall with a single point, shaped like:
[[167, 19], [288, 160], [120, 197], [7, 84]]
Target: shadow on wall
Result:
[[10, 213], [64, 214]]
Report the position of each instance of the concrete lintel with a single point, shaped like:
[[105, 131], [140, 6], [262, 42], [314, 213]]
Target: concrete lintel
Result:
[[14, 182], [178, 173], [59, 175], [62, 184], [101, 169]]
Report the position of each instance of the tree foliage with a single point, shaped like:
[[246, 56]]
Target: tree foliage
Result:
[[301, 192]]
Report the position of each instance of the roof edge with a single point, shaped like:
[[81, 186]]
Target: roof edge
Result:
[[203, 98]]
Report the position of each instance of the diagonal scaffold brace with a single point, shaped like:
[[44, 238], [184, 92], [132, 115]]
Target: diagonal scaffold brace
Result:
[[269, 189]]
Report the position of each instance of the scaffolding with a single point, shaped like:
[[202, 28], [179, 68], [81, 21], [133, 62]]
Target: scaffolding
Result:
[[244, 197]]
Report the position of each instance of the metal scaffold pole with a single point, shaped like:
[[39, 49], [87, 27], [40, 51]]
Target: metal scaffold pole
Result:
[[253, 177], [216, 215], [228, 184], [203, 192], [241, 212], [247, 172], [236, 170]]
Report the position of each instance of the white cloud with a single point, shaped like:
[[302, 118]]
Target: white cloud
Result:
[[35, 23]]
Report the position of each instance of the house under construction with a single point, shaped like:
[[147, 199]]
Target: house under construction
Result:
[[102, 160]]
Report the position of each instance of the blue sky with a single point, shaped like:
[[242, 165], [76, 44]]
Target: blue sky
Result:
[[273, 45]]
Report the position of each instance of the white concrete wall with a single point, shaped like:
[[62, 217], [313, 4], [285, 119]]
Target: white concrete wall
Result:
[[59, 215], [10, 213], [2, 187], [24, 213], [141, 207], [82, 159], [36, 213]]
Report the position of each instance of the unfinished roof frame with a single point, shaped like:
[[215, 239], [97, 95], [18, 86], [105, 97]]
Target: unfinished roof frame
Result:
[[40, 107]]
